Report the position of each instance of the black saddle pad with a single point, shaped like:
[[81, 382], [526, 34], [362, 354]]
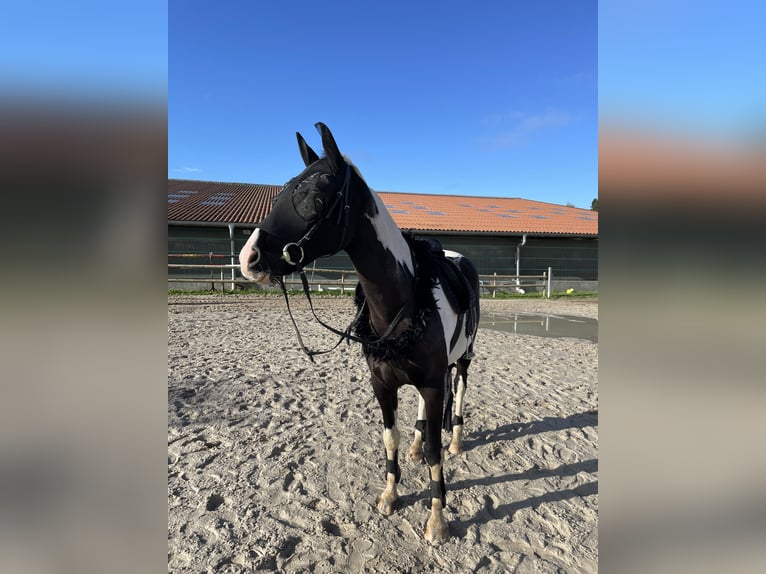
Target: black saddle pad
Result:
[[457, 288], [454, 284]]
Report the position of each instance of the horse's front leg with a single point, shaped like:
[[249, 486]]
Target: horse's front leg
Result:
[[388, 404], [437, 530]]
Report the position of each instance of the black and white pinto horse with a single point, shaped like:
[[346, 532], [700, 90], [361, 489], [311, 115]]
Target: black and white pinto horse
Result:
[[418, 305]]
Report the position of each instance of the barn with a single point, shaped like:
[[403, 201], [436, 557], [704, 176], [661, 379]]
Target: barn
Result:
[[209, 222]]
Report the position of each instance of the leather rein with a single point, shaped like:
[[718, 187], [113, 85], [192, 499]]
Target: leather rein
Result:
[[296, 258]]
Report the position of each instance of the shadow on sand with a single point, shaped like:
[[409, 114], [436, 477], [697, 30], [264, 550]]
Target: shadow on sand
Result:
[[511, 432]]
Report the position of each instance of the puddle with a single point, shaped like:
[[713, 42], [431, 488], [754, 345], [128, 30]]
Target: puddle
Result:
[[557, 326]]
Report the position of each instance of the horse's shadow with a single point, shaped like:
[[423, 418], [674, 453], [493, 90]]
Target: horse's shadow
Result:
[[513, 431], [459, 528], [510, 432]]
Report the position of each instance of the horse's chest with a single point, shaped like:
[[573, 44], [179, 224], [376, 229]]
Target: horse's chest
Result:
[[399, 372]]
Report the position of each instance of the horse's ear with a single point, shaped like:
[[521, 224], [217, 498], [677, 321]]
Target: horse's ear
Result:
[[309, 155], [330, 147]]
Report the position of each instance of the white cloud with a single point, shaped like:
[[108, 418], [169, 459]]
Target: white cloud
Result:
[[187, 169], [518, 127]]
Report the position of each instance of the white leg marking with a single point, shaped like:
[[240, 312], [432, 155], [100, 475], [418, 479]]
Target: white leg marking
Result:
[[416, 450], [456, 444], [437, 530], [389, 495]]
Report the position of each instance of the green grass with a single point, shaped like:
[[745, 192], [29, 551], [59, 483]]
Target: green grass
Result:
[[256, 291], [273, 293]]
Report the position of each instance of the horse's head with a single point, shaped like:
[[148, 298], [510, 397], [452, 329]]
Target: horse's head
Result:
[[309, 217]]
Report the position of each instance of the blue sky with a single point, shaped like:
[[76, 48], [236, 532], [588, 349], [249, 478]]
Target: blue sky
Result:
[[688, 66], [496, 100], [84, 50], [485, 98]]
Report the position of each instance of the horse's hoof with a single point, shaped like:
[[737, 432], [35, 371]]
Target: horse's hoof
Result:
[[456, 448], [386, 505], [437, 531], [416, 455]]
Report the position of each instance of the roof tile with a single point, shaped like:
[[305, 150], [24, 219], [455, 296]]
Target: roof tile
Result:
[[244, 203]]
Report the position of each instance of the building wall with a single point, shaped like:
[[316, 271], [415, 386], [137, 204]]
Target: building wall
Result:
[[568, 257], [573, 259]]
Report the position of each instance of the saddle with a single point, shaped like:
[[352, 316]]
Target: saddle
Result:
[[457, 288]]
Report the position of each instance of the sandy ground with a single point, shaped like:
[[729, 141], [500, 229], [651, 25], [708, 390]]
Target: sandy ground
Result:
[[275, 463]]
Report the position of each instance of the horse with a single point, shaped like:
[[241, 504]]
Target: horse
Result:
[[417, 304]]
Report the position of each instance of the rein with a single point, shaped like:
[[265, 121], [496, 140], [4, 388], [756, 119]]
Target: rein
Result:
[[343, 334], [293, 254]]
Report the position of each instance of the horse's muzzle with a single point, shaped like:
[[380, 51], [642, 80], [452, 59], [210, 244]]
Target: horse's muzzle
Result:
[[250, 260]]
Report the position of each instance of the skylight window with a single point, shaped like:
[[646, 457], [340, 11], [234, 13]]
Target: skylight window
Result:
[[540, 216], [399, 211], [176, 196], [218, 199], [436, 213]]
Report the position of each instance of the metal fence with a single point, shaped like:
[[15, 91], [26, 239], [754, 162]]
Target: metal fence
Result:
[[225, 277]]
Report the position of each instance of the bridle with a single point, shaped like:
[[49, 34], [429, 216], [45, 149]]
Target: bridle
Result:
[[344, 335], [293, 254]]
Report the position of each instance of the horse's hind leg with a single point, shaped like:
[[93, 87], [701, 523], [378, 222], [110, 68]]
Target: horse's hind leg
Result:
[[388, 403], [416, 450], [461, 382]]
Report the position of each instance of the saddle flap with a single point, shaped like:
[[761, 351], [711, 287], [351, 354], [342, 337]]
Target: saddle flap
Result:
[[454, 284]]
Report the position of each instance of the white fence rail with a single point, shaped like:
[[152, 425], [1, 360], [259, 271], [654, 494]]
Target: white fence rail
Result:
[[345, 280]]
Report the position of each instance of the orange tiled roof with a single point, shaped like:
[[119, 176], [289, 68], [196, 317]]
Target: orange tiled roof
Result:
[[215, 202]]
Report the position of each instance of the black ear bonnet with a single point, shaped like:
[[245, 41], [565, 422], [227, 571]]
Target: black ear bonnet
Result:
[[298, 205]]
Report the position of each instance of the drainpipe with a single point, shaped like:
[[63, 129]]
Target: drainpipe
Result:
[[233, 255], [518, 262]]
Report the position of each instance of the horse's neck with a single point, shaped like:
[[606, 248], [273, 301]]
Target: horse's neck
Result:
[[383, 261]]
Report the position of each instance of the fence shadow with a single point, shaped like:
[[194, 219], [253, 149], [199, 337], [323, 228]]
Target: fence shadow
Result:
[[513, 431]]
